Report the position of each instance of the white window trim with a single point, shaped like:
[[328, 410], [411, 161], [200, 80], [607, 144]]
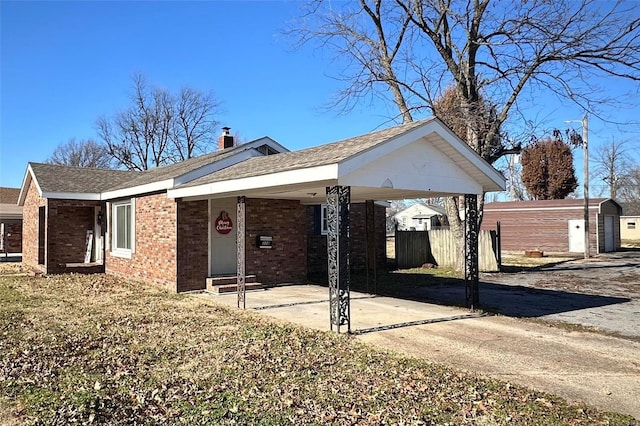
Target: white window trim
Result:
[[631, 225], [120, 252]]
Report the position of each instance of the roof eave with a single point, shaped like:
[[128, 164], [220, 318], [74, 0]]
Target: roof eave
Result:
[[162, 185], [261, 182], [26, 181]]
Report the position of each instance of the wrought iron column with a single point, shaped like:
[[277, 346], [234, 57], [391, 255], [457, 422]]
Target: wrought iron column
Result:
[[240, 244], [338, 199], [371, 244], [471, 268]]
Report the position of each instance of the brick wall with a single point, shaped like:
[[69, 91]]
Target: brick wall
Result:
[[30, 224], [154, 259], [283, 220], [193, 245], [67, 224], [13, 231], [317, 243]]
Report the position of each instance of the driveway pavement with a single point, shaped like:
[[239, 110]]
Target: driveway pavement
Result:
[[600, 370]]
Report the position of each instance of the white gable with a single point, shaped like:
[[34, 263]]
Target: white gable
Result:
[[418, 166]]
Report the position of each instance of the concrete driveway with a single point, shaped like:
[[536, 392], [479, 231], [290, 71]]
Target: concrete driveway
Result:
[[600, 370]]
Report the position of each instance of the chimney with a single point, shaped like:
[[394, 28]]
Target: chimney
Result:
[[225, 140]]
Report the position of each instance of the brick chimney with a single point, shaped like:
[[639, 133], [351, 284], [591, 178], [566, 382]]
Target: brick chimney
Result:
[[225, 140]]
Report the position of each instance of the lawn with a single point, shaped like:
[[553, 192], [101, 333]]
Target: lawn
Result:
[[100, 350]]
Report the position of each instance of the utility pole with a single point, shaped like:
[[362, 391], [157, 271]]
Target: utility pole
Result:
[[585, 148]]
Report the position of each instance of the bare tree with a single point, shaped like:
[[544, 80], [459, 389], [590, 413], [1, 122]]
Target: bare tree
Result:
[[408, 52], [193, 123], [613, 162], [159, 128], [629, 193], [81, 153]]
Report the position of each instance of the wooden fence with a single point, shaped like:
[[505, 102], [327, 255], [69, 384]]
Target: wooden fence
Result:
[[415, 248]]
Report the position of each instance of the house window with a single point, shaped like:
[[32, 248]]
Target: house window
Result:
[[631, 225], [324, 226], [123, 228]]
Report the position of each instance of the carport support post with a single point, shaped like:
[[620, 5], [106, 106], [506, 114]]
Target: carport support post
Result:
[[240, 236], [338, 199], [471, 251], [371, 244]]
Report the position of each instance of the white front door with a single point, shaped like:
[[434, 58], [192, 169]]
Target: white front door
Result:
[[222, 229], [576, 235]]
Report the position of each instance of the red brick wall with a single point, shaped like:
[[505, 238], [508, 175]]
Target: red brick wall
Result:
[[13, 231], [154, 259], [193, 245], [68, 222], [30, 225], [283, 220], [317, 243]]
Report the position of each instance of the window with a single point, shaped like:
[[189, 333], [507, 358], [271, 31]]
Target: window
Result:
[[123, 228], [631, 225], [324, 226]]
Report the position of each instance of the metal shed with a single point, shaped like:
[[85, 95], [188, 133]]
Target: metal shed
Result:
[[555, 225]]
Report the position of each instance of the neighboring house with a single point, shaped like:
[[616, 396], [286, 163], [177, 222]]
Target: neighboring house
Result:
[[10, 221], [555, 225], [420, 217], [630, 228], [255, 206]]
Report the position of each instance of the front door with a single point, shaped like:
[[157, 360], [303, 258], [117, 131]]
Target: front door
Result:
[[222, 246]]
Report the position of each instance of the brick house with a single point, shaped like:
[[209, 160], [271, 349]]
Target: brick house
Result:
[[256, 205], [10, 221], [555, 225]]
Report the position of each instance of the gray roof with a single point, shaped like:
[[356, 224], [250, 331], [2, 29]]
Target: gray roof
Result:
[[57, 178], [311, 157], [177, 169]]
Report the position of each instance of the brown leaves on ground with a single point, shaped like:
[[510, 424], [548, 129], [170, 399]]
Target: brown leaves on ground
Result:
[[100, 350]]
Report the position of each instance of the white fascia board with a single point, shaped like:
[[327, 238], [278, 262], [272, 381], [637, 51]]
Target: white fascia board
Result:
[[217, 165], [162, 185], [90, 196], [28, 176], [291, 177]]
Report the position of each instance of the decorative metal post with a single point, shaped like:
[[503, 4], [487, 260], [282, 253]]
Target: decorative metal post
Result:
[[371, 244], [471, 267], [240, 244], [338, 199]]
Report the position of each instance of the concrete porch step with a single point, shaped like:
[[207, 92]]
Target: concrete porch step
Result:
[[232, 288], [227, 284]]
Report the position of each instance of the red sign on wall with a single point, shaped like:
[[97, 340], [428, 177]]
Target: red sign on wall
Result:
[[223, 223]]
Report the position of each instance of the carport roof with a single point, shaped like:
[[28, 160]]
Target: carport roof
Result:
[[406, 161]]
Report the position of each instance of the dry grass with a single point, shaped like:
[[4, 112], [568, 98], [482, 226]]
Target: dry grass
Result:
[[95, 349]]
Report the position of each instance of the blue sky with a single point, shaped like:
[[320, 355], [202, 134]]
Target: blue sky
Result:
[[64, 64]]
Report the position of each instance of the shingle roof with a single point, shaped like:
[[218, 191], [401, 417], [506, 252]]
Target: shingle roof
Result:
[[9, 195], [57, 178], [177, 169], [311, 157]]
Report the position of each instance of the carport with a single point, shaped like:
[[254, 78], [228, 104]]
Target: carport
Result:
[[415, 160]]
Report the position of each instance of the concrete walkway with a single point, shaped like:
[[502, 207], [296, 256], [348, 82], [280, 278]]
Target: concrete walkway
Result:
[[598, 370]]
